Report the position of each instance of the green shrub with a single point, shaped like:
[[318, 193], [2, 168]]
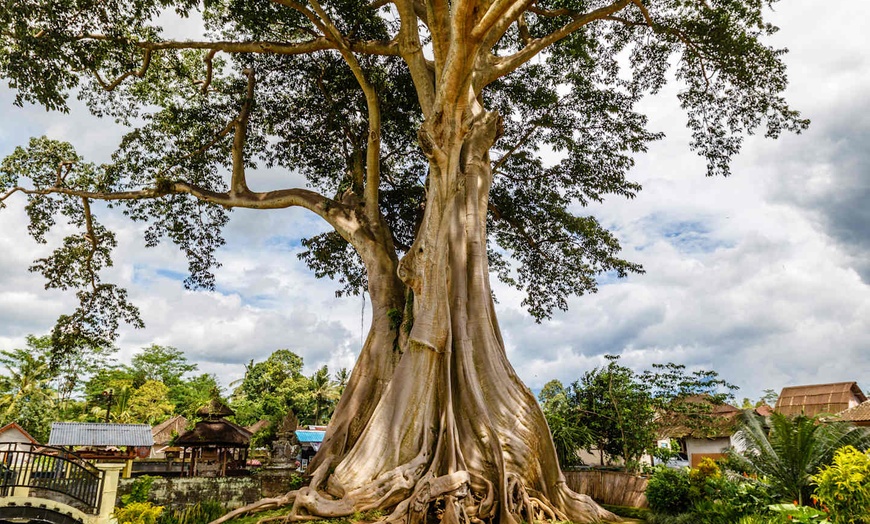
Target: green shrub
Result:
[[844, 487], [139, 490], [668, 491], [138, 513]]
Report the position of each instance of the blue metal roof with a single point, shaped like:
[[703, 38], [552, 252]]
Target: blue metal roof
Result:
[[309, 435], [99, 434]]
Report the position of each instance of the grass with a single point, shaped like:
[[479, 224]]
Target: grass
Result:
[[640, 514], [357, 517]]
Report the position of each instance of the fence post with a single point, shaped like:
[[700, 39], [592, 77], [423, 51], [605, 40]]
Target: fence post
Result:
[[111, 473]]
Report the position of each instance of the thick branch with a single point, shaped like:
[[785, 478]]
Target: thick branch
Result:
[[412, 53], [337, 214], [238, 184], [367, 47], [506, 65]]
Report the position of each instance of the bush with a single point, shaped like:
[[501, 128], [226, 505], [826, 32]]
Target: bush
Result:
[[139, 490], [668, 491], [844, 487], [138, 513]]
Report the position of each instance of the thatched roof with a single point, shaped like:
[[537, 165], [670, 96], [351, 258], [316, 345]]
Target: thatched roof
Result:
[[215, 433], [819, 398], [162, 433], [215, 409]]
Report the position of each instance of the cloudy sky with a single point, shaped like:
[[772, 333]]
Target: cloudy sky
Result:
[[764, 276]]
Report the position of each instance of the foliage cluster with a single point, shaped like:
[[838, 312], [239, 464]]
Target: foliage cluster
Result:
[[704, 495], [138, 513], [783, 459], [788, 451], [843, 488], [38, 387], [272, 388], [620, 413]]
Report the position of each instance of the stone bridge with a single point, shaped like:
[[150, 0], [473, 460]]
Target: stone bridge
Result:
[[49, 485]]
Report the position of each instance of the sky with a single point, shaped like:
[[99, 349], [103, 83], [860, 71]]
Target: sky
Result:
[[763, 277]]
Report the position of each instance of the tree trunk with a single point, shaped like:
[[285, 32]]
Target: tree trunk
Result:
[[453, 433]]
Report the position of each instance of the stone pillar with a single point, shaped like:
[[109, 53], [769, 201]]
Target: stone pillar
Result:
[[22, 480], [111, 473]]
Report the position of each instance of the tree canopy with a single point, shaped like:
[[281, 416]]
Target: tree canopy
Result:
[[423, 130]]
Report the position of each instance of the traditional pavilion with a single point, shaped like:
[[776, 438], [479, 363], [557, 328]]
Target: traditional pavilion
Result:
[[215, 447]]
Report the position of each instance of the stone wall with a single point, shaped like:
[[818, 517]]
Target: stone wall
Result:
[[232, 492]]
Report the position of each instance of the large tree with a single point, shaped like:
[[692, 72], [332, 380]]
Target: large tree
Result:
[[421, 128]]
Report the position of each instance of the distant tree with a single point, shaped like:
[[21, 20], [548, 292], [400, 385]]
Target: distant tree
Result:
[[569, 433], [341, 378], [164, 363], [769, 397], [194, 392], [271, 388], [793, 449], [619, 411], [72, 367], [150, 404], [625, 411], [324, 393], [26, 395]]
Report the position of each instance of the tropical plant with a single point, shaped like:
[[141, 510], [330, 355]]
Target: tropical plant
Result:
[[792, 450], [844, 486], [569, 433], [26, 393], [668, 491], [324, 393], [138, 513]]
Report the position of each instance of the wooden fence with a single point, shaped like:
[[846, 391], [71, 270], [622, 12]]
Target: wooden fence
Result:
[[610, 487]]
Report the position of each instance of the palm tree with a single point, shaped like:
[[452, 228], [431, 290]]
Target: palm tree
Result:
[[342, 377], [28, 381], [793, 449], [323, 390]]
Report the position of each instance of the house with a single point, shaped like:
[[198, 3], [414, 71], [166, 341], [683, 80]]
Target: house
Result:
[[164, 434], [103, 441], [720, 421], [13, 433], [819, 399], [858, 415]]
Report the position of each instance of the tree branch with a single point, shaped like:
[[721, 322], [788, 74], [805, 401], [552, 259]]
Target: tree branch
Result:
[[373, 146], [412, 53], [506, 65], [146, 61], [238, 184]]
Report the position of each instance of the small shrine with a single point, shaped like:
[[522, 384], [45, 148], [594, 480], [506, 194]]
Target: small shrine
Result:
[[286, 448], [215, 447]]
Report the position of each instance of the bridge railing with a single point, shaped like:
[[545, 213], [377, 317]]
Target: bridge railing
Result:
[[31, 466]]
